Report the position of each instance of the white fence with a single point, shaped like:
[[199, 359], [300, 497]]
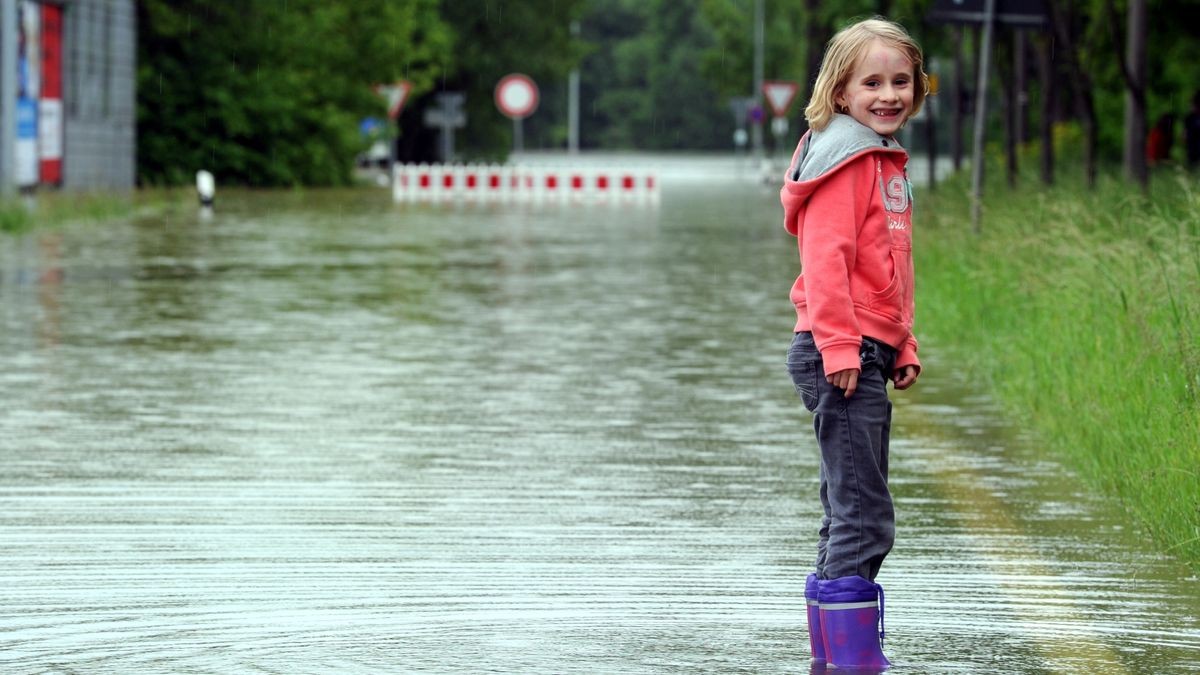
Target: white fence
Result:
[[454, 182]]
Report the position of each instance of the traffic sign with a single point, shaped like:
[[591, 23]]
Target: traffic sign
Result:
[[396, 94], [779, 95], [516, 96], [1029, 13], [447, 116]]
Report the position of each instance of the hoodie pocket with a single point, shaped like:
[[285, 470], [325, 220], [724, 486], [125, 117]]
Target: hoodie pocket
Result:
[[889, 301]]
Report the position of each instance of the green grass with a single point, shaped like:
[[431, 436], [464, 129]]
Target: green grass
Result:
[[21, 214], [1080, 311]]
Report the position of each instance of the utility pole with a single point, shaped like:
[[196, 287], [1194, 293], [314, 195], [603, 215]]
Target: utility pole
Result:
[[8, 96], [573, 101], [756, 136], [985, 64]]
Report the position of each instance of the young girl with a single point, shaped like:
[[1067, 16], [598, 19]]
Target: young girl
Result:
[[846, 198]]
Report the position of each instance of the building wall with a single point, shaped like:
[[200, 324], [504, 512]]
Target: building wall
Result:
[[99, 94]]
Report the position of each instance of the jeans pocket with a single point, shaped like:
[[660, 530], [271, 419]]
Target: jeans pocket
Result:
[[804, 365], [804, 376]]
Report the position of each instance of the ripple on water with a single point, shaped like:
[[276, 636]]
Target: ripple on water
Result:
[[358, 438]]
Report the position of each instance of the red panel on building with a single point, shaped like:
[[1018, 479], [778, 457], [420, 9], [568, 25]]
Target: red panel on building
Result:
[[50, 108]]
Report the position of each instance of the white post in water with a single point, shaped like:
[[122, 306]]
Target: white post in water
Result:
[[206, 188]]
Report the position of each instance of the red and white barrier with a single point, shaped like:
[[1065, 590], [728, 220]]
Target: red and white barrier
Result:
[[465, 182]]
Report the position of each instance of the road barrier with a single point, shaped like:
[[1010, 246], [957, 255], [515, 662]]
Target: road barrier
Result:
[[465, 182]]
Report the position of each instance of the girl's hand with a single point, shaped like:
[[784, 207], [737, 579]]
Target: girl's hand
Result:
[[904, 377], [844, 379]]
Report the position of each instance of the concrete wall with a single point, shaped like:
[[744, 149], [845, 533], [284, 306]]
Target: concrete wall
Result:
[[99, 94]]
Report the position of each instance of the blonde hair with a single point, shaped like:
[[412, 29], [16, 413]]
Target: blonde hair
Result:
[[842, 55]]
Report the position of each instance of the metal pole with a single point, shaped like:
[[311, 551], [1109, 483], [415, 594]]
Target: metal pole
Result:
[[956, 120], [931, 141], [985, 57], [756, 136], [1135, 112], [518, 135], [573, 102], [1022, 97], [8, 96]]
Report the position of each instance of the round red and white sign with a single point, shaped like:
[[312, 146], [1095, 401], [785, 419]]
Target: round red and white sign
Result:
[[516, 96]]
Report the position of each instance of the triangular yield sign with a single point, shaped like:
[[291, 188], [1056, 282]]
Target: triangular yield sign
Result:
[[779, 95], [396, 94]]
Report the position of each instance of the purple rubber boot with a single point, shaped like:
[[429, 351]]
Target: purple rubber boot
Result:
[[816, 640], [852, 622]]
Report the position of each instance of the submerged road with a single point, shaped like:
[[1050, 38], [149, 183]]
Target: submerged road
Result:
[[320, 432]]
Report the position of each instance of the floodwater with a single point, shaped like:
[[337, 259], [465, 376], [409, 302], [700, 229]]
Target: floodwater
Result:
[[320, 432]]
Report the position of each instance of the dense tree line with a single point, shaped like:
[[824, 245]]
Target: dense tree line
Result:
[[1067, 79], [271, 92]]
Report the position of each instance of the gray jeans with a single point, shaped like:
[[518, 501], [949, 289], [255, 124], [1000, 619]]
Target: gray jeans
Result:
[[859, 526]]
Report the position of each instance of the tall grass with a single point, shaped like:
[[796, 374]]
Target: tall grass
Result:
[[1080, 310], [20, 214]]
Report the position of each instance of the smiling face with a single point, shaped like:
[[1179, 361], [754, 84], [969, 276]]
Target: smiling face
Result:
[[879, 91]]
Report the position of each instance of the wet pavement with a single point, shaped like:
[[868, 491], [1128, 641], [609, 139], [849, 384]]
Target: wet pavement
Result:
[[319, 432]]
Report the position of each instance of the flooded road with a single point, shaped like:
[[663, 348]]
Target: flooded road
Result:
[[322, 433]]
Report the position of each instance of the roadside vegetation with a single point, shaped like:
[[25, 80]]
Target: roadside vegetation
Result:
[[1080, 311], [48, 209]]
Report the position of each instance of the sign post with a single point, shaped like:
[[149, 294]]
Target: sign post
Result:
[[447, 116], [1029, 13], [396, 95], [779, 95], [517, 97]]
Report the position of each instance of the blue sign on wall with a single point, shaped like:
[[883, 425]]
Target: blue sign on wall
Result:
[[27, 111]]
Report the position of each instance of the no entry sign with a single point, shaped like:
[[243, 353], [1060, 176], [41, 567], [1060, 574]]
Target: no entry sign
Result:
[[516, 96]]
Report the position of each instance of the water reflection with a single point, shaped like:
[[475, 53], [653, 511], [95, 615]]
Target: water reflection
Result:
[[320, 432]]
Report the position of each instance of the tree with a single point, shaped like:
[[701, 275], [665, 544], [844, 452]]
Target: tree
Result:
[[643, 85], [493, 38], [1133, 72], [282, 108], [1064, 23]]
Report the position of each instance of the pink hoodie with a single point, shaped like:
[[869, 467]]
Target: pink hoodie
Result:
[[847, 199]]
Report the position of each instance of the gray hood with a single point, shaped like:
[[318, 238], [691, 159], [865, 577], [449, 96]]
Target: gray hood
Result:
[[821, 151]]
